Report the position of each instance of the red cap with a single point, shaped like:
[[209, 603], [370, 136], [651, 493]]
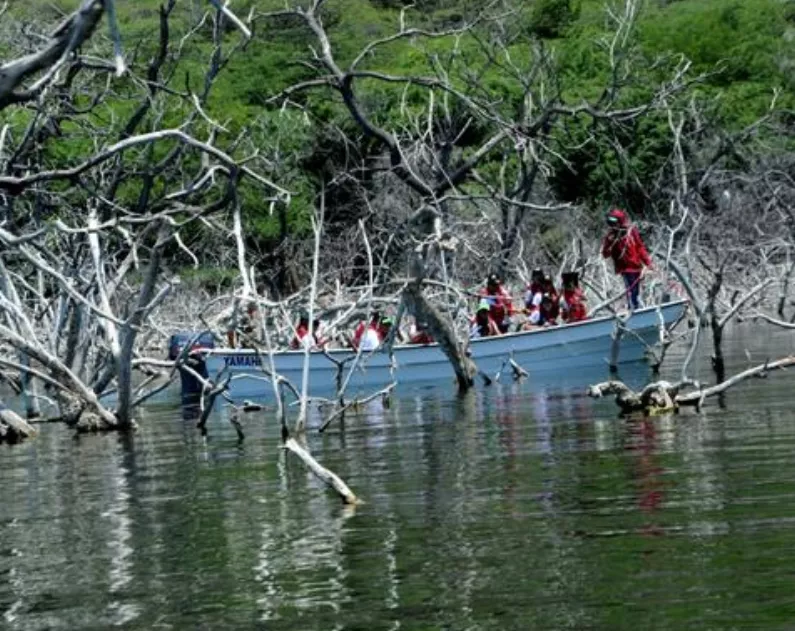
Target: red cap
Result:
[[618, 215]]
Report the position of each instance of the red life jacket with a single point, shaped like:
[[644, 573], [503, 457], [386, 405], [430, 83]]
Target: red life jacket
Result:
[[500, 303], [359, 332], [575, 305], [301, 332], [423, 337]]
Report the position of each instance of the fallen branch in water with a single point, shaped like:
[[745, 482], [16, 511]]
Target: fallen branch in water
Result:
[[384, 392], [661, 396], [13, 428], [207, 401], [329, 477], [779, 323], [697, 398], [517, 371]]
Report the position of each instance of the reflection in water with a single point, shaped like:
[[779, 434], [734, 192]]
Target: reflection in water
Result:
[[524, 505], [645, 472], [11, 579], [119, 524]]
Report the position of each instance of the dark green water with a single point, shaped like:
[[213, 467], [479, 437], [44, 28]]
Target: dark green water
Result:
[[520, 507]]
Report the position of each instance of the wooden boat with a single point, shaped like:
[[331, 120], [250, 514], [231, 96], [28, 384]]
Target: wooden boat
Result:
[[561, 348]]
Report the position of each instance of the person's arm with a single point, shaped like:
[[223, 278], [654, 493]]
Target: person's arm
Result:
[[564, 308], [508, 302], [528, 299], [607, 245]]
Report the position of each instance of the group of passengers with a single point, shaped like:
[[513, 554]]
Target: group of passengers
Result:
[[495, 314], [367, 336], [543, 306]]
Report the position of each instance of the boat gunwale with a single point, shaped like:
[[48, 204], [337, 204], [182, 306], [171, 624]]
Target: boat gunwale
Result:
[[224, 350]]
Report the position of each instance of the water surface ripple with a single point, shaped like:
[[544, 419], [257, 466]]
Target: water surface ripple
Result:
[[519, 506]]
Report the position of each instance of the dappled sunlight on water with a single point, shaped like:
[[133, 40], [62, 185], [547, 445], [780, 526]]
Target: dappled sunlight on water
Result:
[[518, 506]]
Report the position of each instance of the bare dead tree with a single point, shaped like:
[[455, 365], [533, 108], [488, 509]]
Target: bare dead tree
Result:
[[435, 152], [726, 246], [84, 238]]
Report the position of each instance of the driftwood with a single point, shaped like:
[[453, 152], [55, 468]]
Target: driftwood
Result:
[[13, 428], [329, 477], [657, 396], [663, 396], [340, 411], [774, 321]]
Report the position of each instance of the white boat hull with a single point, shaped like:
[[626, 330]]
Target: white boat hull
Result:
[[555, 349]]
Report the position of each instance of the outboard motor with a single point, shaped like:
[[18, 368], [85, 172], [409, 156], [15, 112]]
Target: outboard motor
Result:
[[191, 387]]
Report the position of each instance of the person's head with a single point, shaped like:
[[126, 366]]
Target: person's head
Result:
[[493, 282], [547, 281], [537, 276], [375, 317], [482, 312], [303, 318], [571, 280], [617, 219]]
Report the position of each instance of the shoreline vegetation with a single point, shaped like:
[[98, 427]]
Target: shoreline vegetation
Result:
[[332, 156]]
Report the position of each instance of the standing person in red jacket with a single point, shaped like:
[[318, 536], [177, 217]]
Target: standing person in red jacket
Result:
[[623, 244]]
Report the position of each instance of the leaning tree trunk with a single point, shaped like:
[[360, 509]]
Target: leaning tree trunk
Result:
[[439, 326]]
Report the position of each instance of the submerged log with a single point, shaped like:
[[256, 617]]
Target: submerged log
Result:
[[91, 422], [290, 444], [662, 396], [697, 398], [13, 428], [329, 477], [658, 396]]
